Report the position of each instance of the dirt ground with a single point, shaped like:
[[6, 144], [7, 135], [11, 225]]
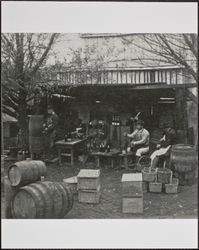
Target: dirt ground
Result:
[[181, 205]]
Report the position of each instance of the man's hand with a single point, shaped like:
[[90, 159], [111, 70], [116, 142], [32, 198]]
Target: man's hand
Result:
[[158, 146], [132, 144], [125, 134]]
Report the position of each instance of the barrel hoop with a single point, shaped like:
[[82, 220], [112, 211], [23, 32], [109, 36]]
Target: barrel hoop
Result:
[[49, 185], [70, 194], [12, 203], [47, 204], [66, 198], [37, 199]]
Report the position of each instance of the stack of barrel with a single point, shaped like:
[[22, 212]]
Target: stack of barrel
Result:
[[28, 197], [184, 163]]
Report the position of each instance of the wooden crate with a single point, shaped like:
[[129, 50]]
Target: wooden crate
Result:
[[132, 204], [132, 184], [72, 183], [88, 179], [89, 196]]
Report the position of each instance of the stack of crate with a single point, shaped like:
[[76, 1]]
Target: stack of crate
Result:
[[88, 184], [132, 193]]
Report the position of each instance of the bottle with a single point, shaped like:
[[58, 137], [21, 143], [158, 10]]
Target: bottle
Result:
[[23, 155], [108, 148]]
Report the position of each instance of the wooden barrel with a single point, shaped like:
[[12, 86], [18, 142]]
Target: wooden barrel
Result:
[[24, 172], [42, 200], [36, 125], [36, 144], [9, 193], [183, 158]]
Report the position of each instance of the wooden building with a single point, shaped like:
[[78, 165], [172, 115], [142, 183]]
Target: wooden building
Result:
[[123, 87], [10, 130], [160, 94]]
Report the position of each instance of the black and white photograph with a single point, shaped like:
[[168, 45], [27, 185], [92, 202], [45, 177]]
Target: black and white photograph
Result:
[[99, 125]]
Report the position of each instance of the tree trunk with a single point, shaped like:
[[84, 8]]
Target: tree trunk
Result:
[[23, 120]]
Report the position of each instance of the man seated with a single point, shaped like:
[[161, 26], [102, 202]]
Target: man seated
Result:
[[140, 139], [168, 139]]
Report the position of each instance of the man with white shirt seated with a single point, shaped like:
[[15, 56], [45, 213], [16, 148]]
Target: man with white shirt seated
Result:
[[140, 139], [168, 139]]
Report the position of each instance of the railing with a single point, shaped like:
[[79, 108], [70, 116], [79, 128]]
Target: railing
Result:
[[121, 76]]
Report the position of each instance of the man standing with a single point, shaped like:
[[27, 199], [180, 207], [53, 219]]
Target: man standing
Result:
[[168, 139], [50, 129], [140, 139]]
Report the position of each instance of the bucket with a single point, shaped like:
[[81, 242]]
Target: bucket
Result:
[[143, 162], [163, 175], [172, 187], [155, 187], [149, 174]]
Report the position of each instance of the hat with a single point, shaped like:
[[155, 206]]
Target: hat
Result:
[[139, 122]]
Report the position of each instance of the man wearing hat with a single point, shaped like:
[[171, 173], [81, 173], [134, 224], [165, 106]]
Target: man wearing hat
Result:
[[50, 129], [168, 139], [140, 139]]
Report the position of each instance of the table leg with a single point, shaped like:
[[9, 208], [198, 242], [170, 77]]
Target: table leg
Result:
[[126, 162], [112, 162], [97, 161]]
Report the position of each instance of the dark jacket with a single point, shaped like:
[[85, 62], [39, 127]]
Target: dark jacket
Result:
[[170, 138], [52, 122]]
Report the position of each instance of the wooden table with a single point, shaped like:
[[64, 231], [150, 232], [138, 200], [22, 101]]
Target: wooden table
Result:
[[70, 146], [112, 155], [125, 158]]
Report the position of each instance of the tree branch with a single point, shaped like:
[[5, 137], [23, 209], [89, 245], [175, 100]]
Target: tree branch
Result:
[[43, 57]]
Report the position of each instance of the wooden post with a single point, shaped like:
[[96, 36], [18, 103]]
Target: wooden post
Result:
[[181, 112]]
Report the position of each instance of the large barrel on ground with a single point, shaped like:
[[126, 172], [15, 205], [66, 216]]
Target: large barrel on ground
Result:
[[9, 193], [184, 163], [183, 157], [42, 200], [35, 133], [24, 172]]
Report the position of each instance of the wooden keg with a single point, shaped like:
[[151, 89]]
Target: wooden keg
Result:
[[9, 192], [36, 144], [36, 125], [36, 141], [42, 200], [184, 163], [24, 172], [183, 158]]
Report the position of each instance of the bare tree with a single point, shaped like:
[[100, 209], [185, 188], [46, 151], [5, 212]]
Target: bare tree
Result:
[[180, 49], [23, 55]]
